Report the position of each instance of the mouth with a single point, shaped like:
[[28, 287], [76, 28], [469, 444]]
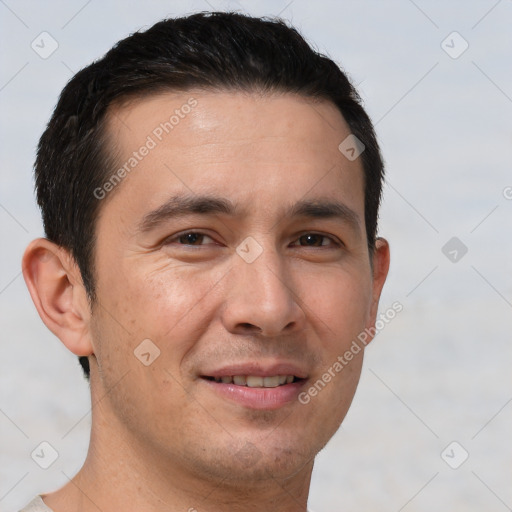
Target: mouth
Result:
[[257, 387], [255, 381]]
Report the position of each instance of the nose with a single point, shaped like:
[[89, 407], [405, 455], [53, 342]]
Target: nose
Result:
[[261, 297]]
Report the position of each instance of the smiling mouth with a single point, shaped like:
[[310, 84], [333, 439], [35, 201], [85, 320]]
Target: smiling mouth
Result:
[[254, 381]]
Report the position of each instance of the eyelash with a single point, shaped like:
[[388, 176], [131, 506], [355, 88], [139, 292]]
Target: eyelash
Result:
[[170, 240]]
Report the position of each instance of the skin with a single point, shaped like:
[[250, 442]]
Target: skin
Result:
[[161, 438]]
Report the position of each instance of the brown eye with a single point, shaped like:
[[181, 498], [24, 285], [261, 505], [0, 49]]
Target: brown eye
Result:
[[193, 238], [315, 240]]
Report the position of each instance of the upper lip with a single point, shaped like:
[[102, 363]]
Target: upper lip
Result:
[[257, 369]]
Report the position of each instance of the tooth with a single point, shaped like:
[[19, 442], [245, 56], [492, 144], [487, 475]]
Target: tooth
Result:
[[289, 379], [271, 382], [240, 380], [282, 379], [254, 382], [216, 379], [227, 379]]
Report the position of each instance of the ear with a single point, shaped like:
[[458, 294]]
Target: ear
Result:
[[381, 258], [55, 285]]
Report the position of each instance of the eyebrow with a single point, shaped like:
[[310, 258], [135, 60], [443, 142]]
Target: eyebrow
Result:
[[180, 206], [325, 209]]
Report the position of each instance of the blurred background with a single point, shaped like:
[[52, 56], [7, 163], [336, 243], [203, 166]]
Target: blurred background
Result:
[[427, 429]]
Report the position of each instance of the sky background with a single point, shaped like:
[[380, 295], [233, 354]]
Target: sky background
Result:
[[436, 78]]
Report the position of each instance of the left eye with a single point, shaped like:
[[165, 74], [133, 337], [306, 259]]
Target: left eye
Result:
[[315, 240]]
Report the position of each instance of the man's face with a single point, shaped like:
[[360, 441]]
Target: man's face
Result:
[[265, 280]]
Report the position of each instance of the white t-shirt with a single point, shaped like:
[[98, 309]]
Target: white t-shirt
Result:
[[38, 505]]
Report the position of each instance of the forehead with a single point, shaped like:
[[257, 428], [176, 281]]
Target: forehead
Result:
[[254, 148]]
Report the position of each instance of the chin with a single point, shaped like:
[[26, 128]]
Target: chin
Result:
[[270, 458]]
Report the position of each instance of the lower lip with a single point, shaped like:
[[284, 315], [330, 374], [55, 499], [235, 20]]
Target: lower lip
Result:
[[258, 398]]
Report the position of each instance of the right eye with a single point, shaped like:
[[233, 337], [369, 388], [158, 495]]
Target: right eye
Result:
[[193, 238]]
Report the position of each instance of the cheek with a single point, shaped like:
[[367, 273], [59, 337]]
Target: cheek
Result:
[[154, 303], [133, 389], [339, 303], [341, 300]]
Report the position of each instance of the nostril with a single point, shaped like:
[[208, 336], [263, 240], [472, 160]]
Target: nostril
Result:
[[249, 327]]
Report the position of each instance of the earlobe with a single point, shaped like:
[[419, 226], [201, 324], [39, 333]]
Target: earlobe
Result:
[[56, 288]]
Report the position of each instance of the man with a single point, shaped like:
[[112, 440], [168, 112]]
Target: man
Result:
[[210, 193]]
